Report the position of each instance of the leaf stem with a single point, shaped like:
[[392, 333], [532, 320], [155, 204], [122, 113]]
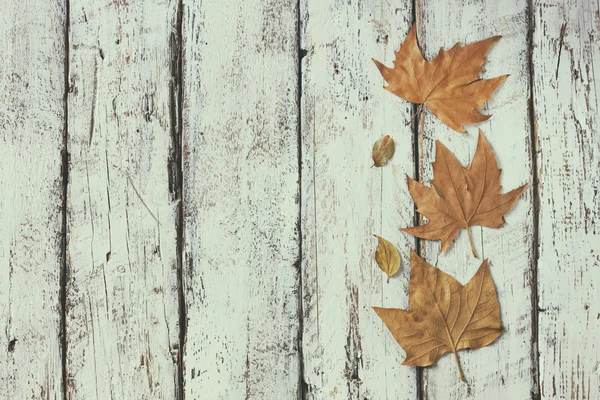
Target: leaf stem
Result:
[[471, 242], [417, 113], [460, 371]]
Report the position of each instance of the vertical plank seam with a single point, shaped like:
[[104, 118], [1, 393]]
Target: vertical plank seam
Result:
[[535, 355], [417, 174], [302, 385], [176, 183], [64, 273], [181, 293], [417, 222]]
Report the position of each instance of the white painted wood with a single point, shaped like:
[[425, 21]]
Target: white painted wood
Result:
[[32, 119], [348, 352], [502, 370], [122, 323], [566, 57], [252, 299], [241, 198]]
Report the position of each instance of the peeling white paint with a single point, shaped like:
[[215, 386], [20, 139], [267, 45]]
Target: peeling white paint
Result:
[[250, 296], [122, 314], [567, 63]]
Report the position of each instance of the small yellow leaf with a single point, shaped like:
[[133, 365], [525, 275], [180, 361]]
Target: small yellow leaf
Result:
[[383, 150], [387, 257]]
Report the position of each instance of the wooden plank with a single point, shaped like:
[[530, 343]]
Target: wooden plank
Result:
[[32, 119], [348, 352], [504, 369], [566, 62], [241, 200], [122, 324]]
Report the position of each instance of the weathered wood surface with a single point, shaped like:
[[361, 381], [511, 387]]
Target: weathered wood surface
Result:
[[122, 306], [566, 59], [32, 120], [241, 200], [504, 369], [219, 175], [348, 353]]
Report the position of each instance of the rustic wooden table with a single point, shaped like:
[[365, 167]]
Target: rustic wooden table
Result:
[[187, 207]]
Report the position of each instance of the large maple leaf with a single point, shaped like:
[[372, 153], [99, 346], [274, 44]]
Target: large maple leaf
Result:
[[461, 197], [443, 316], [448, 85]]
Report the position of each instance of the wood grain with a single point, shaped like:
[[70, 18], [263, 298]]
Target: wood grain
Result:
[[241, 194], [504, 369], [32, 119], [566, 59], [122, 323], [348, 352]]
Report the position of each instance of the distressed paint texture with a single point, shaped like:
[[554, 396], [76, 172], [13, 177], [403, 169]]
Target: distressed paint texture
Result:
[[122, 315], [241, 200], [566, 60], [348, 352], [232, 139], [504, 369], [32, 119]]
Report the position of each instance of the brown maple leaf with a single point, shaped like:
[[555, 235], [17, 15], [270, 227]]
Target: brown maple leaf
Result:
[[448, 85], [461, 197], [443, 316]]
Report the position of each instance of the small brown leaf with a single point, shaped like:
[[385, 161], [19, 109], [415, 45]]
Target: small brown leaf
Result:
[[387, 257], [383, 150], [461, 197], [443, 316], [449, 85]]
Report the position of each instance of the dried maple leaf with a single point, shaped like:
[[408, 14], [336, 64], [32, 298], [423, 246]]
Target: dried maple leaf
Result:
[[461, 197], [448, 85], [443, 316], [387, 257]]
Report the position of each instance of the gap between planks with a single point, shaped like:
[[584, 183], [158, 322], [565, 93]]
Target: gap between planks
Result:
[[64, 272], [302, 384], [176, 184], [535, 355], [416, 219]]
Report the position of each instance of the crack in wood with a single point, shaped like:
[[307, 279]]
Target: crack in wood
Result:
[[94, 103], [563, 30], [139, 196]]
